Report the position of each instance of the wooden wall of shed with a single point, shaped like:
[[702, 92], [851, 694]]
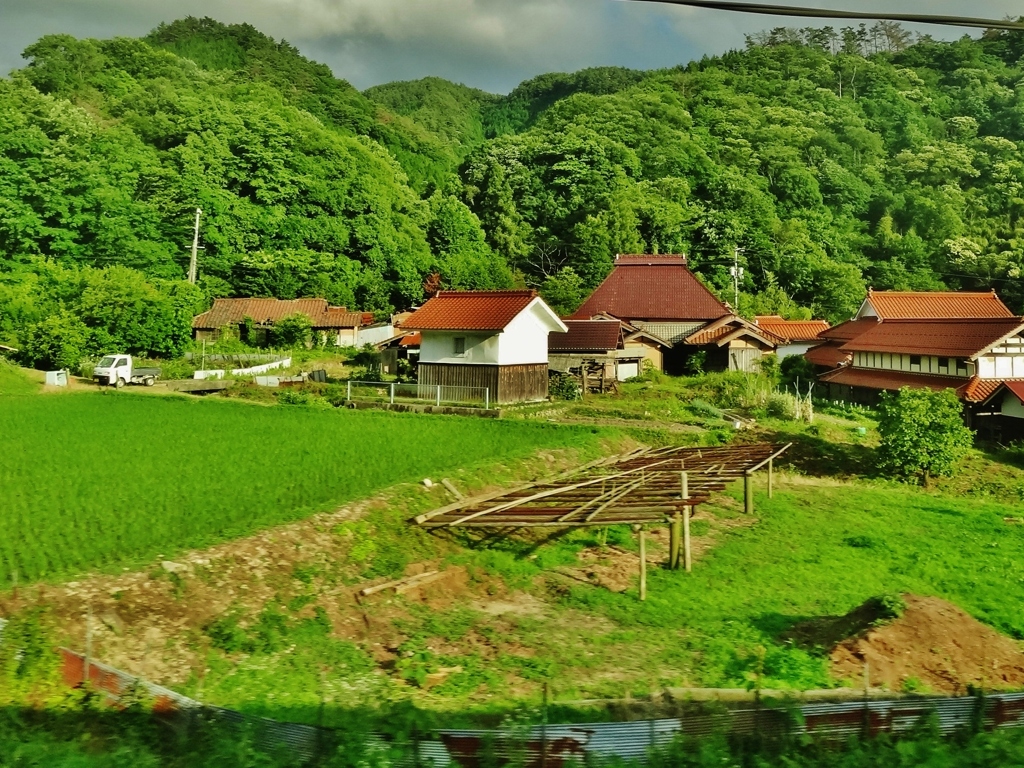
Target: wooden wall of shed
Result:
[[507, 383]]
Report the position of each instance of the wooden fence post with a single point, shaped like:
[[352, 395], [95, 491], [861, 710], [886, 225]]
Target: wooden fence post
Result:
[[643, 561], [748, 493], [771, 478]]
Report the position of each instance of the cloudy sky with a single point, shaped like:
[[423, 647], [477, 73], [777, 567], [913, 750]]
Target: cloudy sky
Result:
[[490, 44]]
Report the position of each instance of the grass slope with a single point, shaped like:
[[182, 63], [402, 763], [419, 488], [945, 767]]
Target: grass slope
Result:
[[13, 381], [93, 480]]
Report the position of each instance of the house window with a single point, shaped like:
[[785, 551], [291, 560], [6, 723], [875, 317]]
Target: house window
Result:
[[460, 346], [915, 360], [961, 367]]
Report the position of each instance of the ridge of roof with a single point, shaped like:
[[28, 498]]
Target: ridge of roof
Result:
[[890, 305], [472, 310]]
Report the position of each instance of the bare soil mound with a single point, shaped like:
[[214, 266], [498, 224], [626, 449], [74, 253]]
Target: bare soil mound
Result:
[[933, 646]]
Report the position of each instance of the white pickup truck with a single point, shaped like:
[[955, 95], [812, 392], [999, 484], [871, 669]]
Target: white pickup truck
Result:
[[118, 370]]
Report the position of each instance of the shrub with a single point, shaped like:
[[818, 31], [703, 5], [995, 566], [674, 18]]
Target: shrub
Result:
[[292, 331], [922, 433], [564, 387]]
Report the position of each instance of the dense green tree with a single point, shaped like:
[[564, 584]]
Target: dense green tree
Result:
[[922, 433], [831, 159]]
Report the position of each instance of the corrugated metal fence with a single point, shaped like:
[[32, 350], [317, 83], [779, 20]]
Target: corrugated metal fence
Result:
[[552, 746]]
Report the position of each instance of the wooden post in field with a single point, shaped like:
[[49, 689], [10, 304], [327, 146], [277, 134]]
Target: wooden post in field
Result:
[[675, 530], [687, 559], [771, 478], [748, 493], [643, 560]]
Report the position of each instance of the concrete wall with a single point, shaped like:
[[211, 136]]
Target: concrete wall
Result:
[[481, 348], [525, 340], [1012, 406], [794, 348]]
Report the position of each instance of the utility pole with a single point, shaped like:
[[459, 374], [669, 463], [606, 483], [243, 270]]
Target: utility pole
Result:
[[195, 249], [737, 273]]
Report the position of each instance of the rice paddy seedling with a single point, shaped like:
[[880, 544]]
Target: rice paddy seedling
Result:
[[91, 481]]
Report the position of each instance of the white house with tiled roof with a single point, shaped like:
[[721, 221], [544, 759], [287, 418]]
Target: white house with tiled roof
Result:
[[494, 340]]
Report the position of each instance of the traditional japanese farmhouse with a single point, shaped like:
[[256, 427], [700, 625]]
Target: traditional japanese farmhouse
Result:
[[660, 295], [969, 342], [251, 320], [492, 339]]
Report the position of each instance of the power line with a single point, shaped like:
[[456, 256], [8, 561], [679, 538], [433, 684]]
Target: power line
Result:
[[822, 13]]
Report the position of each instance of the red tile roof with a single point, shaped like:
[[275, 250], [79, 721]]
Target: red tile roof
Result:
[[470, 310], [848, 330], [978, 390], [973, 390], [652, 288], [716, 332], [894, 305], [411, 340], [1017, 387], [587, 335], [950, 338], [891, 380], [792, 330], [266, 311], [827, 356]]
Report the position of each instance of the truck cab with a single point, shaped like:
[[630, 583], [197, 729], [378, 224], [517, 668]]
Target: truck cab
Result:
[[115, 370], [118, 370]]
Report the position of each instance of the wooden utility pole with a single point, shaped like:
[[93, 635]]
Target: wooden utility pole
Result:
[[193, 262]]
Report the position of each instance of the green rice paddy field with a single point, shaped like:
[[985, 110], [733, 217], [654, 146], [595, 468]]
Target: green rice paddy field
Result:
[[92, 480]]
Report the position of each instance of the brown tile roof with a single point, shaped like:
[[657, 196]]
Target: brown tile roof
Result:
[[848, 330], [978, 390], [411, 340], [587, 335], [891, 380], [265, 311], [952, 338], [652, 288], [827, 355], [1017, 387], [470, 310], [716, 332], [894, 305], [792, 330]]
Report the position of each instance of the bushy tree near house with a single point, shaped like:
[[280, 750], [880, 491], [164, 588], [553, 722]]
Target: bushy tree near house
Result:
[[292, 331], [923, 433]]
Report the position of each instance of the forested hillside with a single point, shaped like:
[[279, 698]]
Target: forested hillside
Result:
[[831, 160]]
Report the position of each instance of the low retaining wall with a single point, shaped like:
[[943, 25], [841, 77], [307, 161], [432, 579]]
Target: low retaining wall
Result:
[[451, 410]]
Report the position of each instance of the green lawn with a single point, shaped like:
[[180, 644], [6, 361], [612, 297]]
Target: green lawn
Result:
[[94, 480]]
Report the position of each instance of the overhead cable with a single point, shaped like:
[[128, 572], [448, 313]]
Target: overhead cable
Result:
[[822, 13]]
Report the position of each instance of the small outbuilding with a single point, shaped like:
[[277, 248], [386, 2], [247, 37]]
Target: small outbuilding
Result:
[[605, 348], [496, 340]]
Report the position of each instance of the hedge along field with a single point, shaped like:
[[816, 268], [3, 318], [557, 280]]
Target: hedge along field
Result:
[[92, 480]]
